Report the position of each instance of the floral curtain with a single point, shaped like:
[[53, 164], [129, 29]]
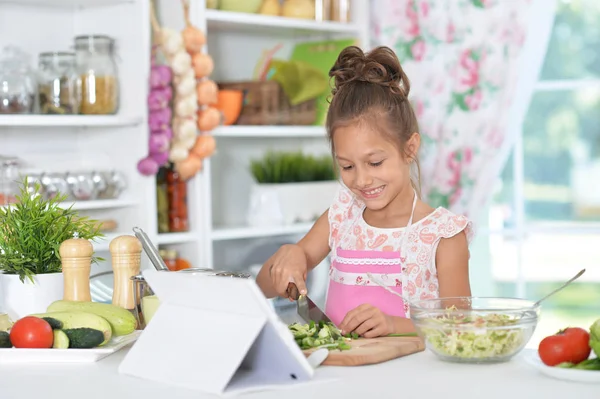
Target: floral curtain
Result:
[[463, 58]]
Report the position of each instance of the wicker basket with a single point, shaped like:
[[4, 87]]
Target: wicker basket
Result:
[[265, 103]]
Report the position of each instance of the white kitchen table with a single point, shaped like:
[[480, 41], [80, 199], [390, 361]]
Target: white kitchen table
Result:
[[416, 376]]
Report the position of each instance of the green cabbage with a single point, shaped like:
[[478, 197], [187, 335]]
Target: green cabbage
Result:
[[475, 337]]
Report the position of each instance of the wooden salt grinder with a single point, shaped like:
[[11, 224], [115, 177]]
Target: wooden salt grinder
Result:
[[76, 260], [126, 256]]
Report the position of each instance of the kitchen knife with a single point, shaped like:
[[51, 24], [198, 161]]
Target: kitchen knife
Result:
[[306, 308]]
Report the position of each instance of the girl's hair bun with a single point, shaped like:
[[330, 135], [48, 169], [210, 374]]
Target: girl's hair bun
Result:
[[379, 66]]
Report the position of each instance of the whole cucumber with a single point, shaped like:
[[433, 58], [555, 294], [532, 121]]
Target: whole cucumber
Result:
[[122, 321], [78, 319], [5, 340]]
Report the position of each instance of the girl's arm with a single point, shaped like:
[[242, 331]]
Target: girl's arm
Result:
[[452, 262], [295, 260], [315, 243]]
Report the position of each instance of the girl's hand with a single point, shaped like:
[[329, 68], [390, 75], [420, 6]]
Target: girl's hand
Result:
[[367, 321], [292, 262], [288, 265]]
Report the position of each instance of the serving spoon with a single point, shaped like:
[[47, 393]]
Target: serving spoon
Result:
[[532, 313], [575, 277]]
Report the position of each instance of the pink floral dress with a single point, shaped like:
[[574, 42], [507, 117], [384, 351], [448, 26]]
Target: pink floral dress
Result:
[[364, 258]]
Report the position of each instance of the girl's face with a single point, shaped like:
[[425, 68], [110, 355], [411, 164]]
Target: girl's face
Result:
[[372, 167]]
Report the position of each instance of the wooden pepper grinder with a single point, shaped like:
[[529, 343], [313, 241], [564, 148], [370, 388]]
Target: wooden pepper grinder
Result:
[[126, 256], [76, 259]]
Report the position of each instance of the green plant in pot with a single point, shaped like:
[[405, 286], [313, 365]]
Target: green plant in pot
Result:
[[292, 187], [277, 167], [31, 232]]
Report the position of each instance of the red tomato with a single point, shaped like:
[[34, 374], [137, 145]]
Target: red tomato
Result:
[[570, 345], [31, 332]]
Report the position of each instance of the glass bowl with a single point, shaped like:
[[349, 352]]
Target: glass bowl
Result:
[[475, 329]]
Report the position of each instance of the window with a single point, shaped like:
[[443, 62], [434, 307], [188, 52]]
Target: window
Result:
[[544, 222]]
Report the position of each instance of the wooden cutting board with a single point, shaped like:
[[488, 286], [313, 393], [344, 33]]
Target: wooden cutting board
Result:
[[372, 351]]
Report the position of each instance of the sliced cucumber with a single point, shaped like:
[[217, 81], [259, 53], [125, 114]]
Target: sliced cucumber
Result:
[[61, 340]]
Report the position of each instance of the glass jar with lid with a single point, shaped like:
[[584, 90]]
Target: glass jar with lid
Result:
[[58, 83], [17, 87], [98, 74], [9, 180]]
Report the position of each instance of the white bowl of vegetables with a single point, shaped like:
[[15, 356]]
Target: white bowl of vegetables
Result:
[[475, 329]]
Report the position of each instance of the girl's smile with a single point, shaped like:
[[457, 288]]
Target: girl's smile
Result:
[[371, 194]]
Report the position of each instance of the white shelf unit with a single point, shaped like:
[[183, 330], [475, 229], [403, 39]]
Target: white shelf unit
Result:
[[97, 204], [236, 42], [160, 239], [75, 121], [237, 233], [270, 131], [227, 21], [218, 196], [67, 3], [101, 204], [177, 238], [60, 143]]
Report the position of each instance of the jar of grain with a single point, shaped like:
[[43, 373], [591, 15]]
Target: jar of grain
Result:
[[340, 11], [98, 73], [58, 83]]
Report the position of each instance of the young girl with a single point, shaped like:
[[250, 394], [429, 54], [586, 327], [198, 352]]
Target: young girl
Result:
[[387, 246]]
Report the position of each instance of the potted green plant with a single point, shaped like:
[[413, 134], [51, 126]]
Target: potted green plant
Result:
[[31, 231], [291, 187]]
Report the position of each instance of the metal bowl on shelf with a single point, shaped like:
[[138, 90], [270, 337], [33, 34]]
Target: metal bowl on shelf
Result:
[[81, 186], [111, 184], [53, 184]]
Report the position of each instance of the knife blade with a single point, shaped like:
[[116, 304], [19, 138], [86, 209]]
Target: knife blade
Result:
[[305, 306]]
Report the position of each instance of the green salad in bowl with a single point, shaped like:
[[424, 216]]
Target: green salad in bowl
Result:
[[475, 329]]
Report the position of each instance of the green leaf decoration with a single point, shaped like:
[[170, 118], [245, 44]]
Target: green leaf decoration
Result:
[[32, 230]]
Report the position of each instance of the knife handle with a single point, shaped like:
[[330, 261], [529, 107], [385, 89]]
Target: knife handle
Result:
[[292, 291]]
